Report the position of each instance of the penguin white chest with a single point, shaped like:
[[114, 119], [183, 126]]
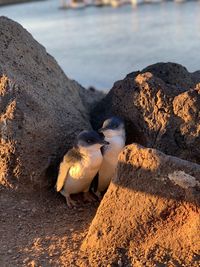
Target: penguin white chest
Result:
[[82, 173], [109, 163], [115, 146]]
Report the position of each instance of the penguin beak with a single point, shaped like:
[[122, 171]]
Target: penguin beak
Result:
[[101, 130]]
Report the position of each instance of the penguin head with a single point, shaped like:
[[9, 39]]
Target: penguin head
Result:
[[90, 140], [113, 126]]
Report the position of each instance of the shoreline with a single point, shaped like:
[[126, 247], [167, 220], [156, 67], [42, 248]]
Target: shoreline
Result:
[[12, 2]]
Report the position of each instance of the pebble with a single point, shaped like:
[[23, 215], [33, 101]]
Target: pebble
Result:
[[24, 201], [15, 257], [120, 264], [81, 209], [34, 210]]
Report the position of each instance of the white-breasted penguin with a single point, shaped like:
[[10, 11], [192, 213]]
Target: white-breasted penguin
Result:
[[80, 165], [113, 130]]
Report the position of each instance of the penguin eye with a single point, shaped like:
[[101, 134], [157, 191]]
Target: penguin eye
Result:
[[89, 141]]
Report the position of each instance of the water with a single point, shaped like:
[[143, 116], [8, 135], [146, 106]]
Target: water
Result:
[[97, 46]]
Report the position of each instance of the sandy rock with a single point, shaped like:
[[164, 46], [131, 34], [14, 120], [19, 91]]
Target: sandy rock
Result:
[[161, 106], [40, 108], [173, 74], [150, 212]]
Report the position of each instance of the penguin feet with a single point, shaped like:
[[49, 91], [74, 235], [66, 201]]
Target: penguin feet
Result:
[[88, 197], [70, 203]]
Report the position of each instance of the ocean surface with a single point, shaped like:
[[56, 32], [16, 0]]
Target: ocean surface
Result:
[[97, 46]]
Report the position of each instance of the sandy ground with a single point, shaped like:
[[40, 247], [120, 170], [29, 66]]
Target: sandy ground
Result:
[[40, 230]]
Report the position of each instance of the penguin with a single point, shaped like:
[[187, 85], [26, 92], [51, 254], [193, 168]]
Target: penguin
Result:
[[80, 165], [113, 130]]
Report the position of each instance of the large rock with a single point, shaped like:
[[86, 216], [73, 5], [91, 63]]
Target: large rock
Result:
[[150, 213], [161, 106], [41, 109]]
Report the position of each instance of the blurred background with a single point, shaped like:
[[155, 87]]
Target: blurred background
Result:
[[98, 44]]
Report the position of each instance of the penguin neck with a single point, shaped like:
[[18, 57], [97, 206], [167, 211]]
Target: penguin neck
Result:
[[91, 156], [116, 141], [91, 151], [115, 136]]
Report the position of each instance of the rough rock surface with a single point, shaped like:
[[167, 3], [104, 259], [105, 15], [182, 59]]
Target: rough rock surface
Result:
[[150, 213], [90, 97], [40, 108], [161, 106]]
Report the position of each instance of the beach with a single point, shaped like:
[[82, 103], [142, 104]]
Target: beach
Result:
[[97, 46]]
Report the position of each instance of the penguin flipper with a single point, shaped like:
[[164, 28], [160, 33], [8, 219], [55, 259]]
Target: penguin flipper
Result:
[[69, 160], [62, 175]]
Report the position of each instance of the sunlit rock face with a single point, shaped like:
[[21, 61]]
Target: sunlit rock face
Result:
[[150, 214], [41, 109], [161, 106]]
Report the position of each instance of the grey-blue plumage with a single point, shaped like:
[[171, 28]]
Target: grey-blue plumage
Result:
[[80, 165]]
